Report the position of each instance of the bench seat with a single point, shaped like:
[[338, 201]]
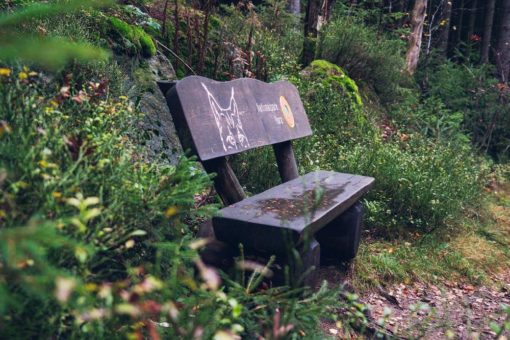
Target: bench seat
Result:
[[289, 212]]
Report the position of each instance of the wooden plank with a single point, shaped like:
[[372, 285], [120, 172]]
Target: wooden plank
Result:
[[286, 160], [225, 118], [225, 182], [290, 211]]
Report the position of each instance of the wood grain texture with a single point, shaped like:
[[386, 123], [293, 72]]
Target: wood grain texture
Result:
[[290, 212], [287, 165], [217, 119]]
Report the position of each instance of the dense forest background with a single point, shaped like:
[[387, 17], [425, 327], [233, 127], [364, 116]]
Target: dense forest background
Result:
[[100, 206]]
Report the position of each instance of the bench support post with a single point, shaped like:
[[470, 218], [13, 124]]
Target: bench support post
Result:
[[340, 239], [226, 183], [286, 161]]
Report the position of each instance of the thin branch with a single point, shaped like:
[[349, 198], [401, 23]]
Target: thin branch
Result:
[[175, 55]]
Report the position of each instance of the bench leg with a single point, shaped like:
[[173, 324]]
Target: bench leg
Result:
[[310, 262], [340, 239]]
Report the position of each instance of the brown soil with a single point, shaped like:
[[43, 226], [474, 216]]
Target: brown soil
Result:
[[450, 310]]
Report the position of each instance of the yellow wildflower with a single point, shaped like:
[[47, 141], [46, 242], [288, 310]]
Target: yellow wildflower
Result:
[[22, 75], [130, 244], [56, 194], [171, 211], [91, 287], [5, 72]]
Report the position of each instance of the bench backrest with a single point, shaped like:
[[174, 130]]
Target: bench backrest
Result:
[[217, 119]]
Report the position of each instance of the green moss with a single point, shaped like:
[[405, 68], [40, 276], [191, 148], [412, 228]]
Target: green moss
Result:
[[335, 75], [146, 42], [136, 40]]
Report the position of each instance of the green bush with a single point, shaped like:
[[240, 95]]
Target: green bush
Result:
[[430, 117], [474, 92], [421, 182], [19, 43], [367, 56], [93, 239]]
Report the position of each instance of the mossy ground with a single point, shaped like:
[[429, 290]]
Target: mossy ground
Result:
[[136, 38], [335, 75]]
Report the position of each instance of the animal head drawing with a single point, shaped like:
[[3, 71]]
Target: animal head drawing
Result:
[[228, 122]]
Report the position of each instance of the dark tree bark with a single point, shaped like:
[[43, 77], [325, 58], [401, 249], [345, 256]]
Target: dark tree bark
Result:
[[318, 13], [472, 19], [294, 7], [503, 49], [471, 28], [444, 33], [487, 30], [205, 36], [414, 45], [460, 25]]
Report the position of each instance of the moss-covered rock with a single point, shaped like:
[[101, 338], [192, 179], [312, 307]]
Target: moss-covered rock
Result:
[[336, 76], [134, 39]]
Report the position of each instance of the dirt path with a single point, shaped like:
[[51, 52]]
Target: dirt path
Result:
[[421, 310], [449, 310], [436, 312]]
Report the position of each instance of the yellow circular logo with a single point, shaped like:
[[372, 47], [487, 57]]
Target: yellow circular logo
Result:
[[287, 112]]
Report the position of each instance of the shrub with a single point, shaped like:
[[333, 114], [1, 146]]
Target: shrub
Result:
[[483, 102], [430, 117], [366, 55], [93, 239], [420, 182], [19, 43]]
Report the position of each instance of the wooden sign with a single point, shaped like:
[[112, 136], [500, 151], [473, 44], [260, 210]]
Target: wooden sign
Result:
[[217, 119]]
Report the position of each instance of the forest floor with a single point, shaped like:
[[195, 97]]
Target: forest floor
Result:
[[460, 302]]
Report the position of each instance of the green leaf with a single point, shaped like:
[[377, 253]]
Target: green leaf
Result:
[[52, 52], [38, 10]]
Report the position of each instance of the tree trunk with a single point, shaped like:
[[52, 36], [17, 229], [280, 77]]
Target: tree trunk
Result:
[[414, 45], [444, 33], [459, 26], [487, 30], [503, 50], [294, 7], [318, 13], [472, 20], [472, 39]]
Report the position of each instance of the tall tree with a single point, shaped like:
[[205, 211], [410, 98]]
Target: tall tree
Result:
[[487, 29], [414, 45], [503, 50], [446, 14], [294, 7], [460, 24], [318, 13], [472, 19]]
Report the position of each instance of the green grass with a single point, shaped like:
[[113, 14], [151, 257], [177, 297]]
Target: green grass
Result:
[[471, 250]]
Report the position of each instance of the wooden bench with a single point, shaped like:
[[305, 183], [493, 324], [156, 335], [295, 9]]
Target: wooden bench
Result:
[[316, 214]]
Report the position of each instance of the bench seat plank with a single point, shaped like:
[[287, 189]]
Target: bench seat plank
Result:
[[293, 209]]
